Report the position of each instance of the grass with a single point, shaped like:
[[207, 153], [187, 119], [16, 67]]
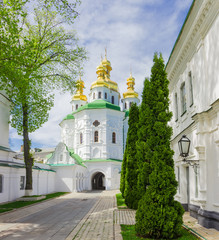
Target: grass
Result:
[[14, 205], [120, 201], [128, 233]]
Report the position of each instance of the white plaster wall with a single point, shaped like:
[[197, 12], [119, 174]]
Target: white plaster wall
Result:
[[197, 52], [69, 178], [104, 90], [128, 101], [43, 183], [110, 121], [109, 169], [4, 119]]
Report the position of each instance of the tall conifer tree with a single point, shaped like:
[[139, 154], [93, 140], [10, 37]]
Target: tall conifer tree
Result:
[[123, 172], [131, 161], [143, 150], [158, 214]]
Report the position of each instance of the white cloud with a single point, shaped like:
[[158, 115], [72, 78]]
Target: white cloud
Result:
[[132, 31]]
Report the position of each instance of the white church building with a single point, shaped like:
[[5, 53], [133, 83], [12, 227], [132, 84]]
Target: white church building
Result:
[[93, 136], [90, 152]]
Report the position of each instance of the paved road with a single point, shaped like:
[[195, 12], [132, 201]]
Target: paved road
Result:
[[54, 219]]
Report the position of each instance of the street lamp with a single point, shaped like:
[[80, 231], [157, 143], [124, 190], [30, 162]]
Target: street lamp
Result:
[[184, 145]]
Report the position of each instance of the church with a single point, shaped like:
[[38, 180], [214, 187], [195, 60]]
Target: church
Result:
[[93, 136]]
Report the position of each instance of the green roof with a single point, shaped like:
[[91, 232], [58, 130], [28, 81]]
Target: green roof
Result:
[[61, 165], [5, 149], [69, 116], [181, 30], [103, 160], [98, 104], [23, 166], [126, 113], [76, 157]]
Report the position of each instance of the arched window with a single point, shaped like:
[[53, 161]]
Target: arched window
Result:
[[130, 104], [1, 183], [105, 95], [112, 99], [99, 94], [113, 137], [76, 107], [96, 136], [81, 138], [125, 105], [93, 95]]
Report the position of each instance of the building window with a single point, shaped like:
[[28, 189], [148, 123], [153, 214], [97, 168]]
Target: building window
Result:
[[76, 107], [113, 137], [183, 98], [105, 95], [61, 158], [96, 136], [125, 105], [130, 104], [112, 99], [99, 94], [178, 178], [22, 182], [93, 95], [81, 138], [1, 183], [196, 182], [176, 107], [190, 88]]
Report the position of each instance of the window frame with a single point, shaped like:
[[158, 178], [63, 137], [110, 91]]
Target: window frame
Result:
[[113, 137], [191, 89], [176, 107], [105, 95], [96, 136], [112, 100], [81, 138], [1, 183], [183, 98], [22, 182], [99, 95]]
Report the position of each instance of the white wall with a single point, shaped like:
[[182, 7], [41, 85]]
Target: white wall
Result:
[[43, 182], [4, 119]]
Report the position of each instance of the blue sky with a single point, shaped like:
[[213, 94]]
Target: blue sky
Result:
[[132, 30]]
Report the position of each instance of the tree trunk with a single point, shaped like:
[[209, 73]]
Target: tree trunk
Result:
[[27, 157]]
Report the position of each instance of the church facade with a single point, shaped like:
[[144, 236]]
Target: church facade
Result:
[[93, 136]]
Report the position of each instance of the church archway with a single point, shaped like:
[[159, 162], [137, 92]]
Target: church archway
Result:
[[98, 181]]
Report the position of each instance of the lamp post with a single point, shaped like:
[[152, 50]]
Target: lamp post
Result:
[[184, 146]]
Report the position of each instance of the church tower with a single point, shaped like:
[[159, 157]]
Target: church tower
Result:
[[104, 88], [79, 99], [130, 96]]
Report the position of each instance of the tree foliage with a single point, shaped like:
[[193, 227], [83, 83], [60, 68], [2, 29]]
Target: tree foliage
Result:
[[158, 214], [38, 56], [123, 173], [131, 172], [143, 148]]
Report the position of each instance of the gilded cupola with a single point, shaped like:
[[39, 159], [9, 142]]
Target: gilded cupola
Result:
[[103, 76], [130, 93], [80, 89]]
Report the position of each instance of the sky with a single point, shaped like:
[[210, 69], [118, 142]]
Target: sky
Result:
[[131, 31]]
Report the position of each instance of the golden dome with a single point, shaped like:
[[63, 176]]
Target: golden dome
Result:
[[103, 76], [80, 88], [130, 93]]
